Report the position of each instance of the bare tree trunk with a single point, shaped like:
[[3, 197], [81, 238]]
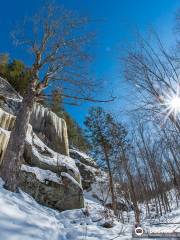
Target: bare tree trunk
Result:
[[111, 184], [13, 156]]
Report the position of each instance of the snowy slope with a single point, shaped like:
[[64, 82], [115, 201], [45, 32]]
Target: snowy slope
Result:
[[168, 223], [22, 218]]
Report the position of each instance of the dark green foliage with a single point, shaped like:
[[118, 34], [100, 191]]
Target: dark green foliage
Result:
[[75, 132], [15, 72]]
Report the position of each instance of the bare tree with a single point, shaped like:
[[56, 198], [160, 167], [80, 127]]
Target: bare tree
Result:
[[154, 72], [58, 42]]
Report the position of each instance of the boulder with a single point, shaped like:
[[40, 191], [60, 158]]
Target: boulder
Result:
[[47, 188]]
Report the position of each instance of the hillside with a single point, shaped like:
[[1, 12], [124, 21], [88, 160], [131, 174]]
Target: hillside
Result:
[[21, 217]]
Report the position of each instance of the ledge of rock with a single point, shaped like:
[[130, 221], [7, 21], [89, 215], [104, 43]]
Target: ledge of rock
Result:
[[36, 153], [87, 167], [51, 190]]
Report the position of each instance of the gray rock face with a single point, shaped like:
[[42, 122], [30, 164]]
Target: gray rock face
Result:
[[8, 91], [37, 154], [50, 129], [87, 167], [51, 178], [10, 100], [47, 188], [88, 175]]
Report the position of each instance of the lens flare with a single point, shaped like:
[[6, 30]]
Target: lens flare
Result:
[[175, 104], [171, 104]]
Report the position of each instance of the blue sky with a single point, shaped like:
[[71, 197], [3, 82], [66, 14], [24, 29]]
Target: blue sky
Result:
[[120, 19]]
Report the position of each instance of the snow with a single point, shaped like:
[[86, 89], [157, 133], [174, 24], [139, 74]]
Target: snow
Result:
[[8, 91], [64, 174], [6, 132], [168, 223], [41, 174], [83, 155], [88, 168], [21, 217], [56, 159]]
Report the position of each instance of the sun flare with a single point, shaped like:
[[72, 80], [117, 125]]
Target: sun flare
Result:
[[175, 104], [172, 103]]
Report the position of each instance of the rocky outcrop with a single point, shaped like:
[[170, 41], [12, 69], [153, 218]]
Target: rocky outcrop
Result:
[[8, 91], [48, 173], [6, 124], [61, 185], [51, 190], [50, 129], [51, 178], [83, 158], [87, 167], [37, 154], [10, 100]]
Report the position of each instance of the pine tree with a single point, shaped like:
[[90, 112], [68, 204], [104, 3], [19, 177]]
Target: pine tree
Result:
[[15, 72], [106, 136]]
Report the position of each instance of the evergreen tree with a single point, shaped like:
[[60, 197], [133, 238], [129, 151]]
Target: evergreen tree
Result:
[[108, 138], [15, 72]]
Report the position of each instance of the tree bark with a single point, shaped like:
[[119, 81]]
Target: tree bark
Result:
[[111, 184], [13, 156]]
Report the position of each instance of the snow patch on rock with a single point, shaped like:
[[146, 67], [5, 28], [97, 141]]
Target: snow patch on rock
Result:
[[42, 175]]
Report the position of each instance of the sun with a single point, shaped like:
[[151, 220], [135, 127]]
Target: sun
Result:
[[174, 104]]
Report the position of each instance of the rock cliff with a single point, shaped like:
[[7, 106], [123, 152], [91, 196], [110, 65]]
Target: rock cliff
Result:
[[51, 178], [51, 129], [48, 173]]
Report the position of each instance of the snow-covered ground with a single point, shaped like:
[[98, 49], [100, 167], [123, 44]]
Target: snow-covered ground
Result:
[[22, 218], [168, 223]]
